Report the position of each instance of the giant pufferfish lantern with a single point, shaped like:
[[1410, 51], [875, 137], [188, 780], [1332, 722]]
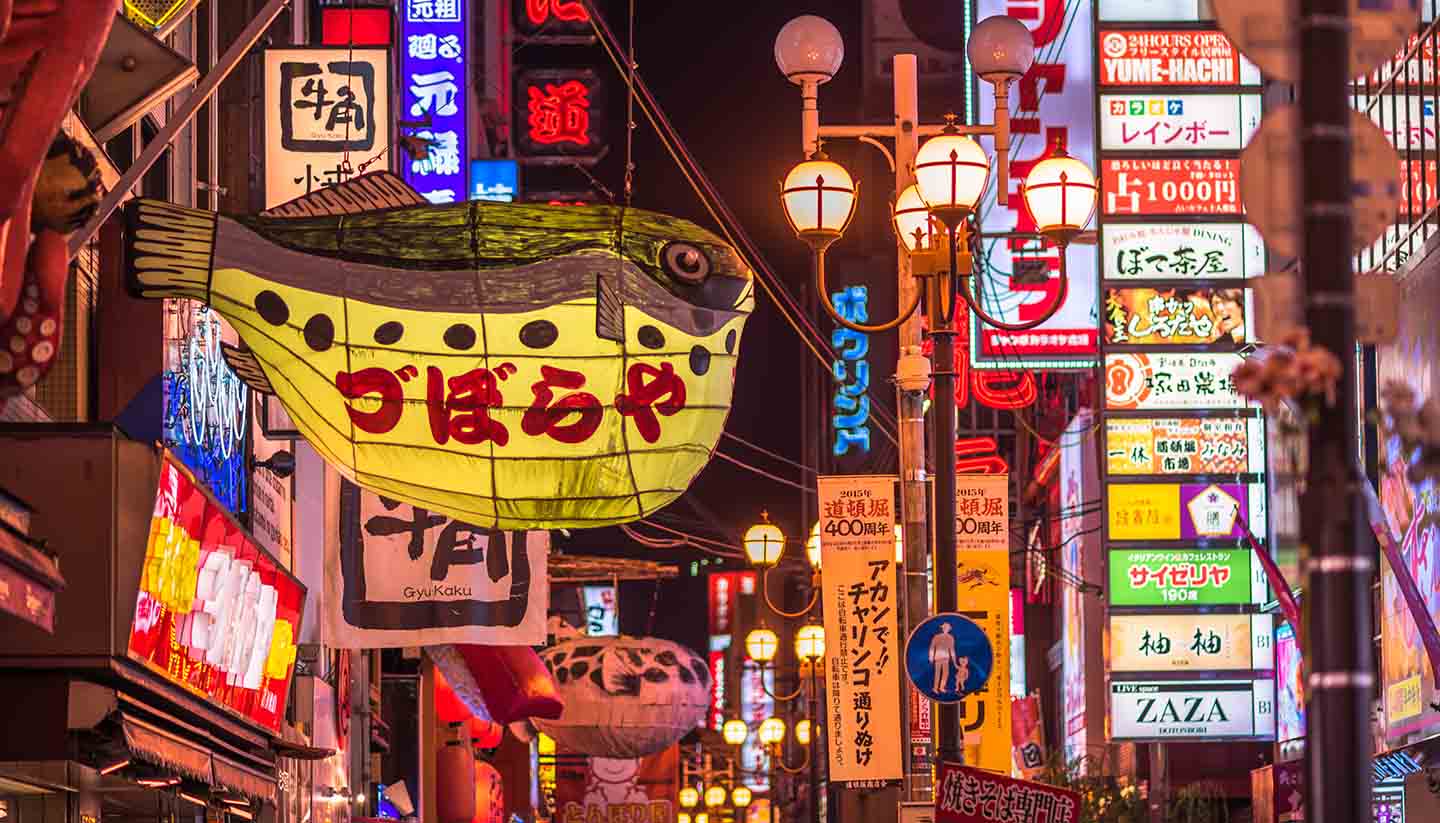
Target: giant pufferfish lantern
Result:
[[625, 696], [515, 366]]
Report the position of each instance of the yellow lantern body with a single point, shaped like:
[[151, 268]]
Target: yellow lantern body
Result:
[[772, 731], [1061, 194], [741, 796], [810, 642], [715, 796], [689, 797], [951, 171], [764, 543], [735, 732], [802, 732]]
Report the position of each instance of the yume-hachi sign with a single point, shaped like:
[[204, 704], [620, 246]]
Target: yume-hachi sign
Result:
[[1191, 642], [1178, 123], [1171, 186], [1171, 381], [862, 657], [968, 795], [322, 107], [1166, 315], [1173, 58], [435, 90], [512, 366], [1149, 710], [215, 614], [1184, 511], [1185, 577], [982, 512], [1184, 445], [1211, 251]]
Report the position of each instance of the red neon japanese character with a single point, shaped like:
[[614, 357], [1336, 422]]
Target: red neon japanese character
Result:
[[374, 380], [1139, 576], [646, 385], [464, 413], [560, 114], [1220, 574], [543, 418], [568, 11]]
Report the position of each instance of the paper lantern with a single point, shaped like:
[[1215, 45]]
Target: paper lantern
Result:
[[513, 366], [625, 696], [489, 794], [455, 782], [499, 683]]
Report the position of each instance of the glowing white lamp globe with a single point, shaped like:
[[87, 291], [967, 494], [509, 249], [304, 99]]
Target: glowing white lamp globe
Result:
[[1001, 49], [1061, 194], [809, 48]]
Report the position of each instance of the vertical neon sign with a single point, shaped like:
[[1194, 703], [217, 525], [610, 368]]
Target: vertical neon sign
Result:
[[851, 403], [434, 91]]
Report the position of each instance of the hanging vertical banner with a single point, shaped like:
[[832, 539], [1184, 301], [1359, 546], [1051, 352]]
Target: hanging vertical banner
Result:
[[984, 589], [433, 93], [982, 512], [862, 660], [323, 107]]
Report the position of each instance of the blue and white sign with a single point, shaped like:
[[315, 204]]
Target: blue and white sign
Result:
[[947, 657], [495, 180], [433, 85], [851, 402]]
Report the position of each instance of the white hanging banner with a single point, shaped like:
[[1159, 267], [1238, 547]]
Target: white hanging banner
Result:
[[862, 649]]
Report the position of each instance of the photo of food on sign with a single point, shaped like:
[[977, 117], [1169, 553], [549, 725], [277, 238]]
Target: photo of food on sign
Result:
[[1145, 316]]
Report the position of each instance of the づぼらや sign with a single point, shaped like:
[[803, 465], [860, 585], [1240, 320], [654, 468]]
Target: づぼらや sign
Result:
[[966, 795], [1148, 710], [1196, 642], [1171, 186], [982, 512], [862, 658], [1178, 123], [1187, 445], [1185, 577], [1211, 251], [1173, 58], [1171, 381]]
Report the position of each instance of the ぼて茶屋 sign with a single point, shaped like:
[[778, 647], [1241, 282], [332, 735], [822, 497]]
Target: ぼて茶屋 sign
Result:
[[1168, 251], [1155, 710], [1185, 577]]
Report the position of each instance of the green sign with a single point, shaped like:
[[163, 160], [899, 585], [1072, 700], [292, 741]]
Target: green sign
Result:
[[1185, 577]]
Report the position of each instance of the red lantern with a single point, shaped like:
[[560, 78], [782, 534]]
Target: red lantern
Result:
[[489, 794], [450, 709], [455, 781]]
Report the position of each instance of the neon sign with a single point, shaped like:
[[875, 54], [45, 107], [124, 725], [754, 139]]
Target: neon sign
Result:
[[851, 402], [434, 91], [558, 112], [206, 405]]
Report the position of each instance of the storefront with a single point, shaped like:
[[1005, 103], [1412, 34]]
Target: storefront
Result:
[[163, 688]]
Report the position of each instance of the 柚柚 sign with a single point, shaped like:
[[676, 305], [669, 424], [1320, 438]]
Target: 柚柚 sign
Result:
[[1191, 642]]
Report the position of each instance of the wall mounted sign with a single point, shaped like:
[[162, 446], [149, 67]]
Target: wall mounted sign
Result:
[[1171, 381], [206, 407], [435, 91], [1211, 251], [497, 181], [1290, 686], [1183, 511], [1407, 120], [850, 404], [1149, 11], [1191, 642], [215, 614], [356, 26], [1170, 186], [1148, 316], [1054, 101], [1178, 123], [1173, 58], [1170, 710], [1185, 577], [976, 795], [1184, 445], [546, 19], [560, 115], [327, 110], [602, 610], [984, 586], [403, 575]]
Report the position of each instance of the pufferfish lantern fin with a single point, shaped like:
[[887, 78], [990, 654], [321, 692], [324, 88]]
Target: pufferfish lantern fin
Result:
[[368, 192], [609, 309], [246, 367]]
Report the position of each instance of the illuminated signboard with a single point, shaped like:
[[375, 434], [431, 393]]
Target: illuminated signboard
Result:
[[1148, 11], [1407, 120], [1289, 686], [1170, 186], [1185, 577], [1173, 58], [850, 404], [1151, 710], [1143, 316], [559, 114], [206, 407], [434, 86], [1054, 101], [1171, 381], [1191, 642], [539, 19], [494, 180], [1184, 511], [1180, 122], [215, 613], [1212, 251], [1188, 445], [602, 612], [355, 27]]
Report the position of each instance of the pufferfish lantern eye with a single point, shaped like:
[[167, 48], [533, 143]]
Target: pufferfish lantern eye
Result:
[[685, 262]]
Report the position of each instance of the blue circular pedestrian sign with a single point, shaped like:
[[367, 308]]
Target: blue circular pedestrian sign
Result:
[[947, 657]]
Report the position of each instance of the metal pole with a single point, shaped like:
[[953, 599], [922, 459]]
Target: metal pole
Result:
[[947, 715], [815, 750], [1159, 783], [178, 120], [1332, 523]]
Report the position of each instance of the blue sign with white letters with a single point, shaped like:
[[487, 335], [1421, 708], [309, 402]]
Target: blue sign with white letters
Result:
[[947, 657], [433, 86], [496, 180]]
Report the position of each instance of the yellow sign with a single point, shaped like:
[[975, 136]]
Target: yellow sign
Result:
[[984, 589], [1191, 642], [154, 14], [1402, 700], [1144, 511]]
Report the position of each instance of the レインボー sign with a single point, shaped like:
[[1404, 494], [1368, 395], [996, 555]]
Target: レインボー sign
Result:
[[1172, 58], [966, 795], [862, 657], [1178, 123], [1170, 186]]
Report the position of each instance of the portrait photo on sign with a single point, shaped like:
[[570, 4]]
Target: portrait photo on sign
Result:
[[1168, 316]]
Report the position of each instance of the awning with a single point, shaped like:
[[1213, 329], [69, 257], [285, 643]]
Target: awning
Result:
[[243, 779], [300, 751], [154, 745]]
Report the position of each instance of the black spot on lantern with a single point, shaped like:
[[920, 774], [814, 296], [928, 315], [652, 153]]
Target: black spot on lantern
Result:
[[730, 342], [651, 337], [701, 670], [685, 676], [389, 333], [578, 669], [656, 676], [460, 337], [539, 334], [272, 308], [319, 332], [666, 658], [699, 360]]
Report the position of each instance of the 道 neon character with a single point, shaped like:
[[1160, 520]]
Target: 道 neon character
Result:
[[560, 114]]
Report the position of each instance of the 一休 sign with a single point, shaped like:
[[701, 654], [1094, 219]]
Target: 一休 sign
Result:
[[862, 665], [1185, 577], [1191, 642], [1184, 445]]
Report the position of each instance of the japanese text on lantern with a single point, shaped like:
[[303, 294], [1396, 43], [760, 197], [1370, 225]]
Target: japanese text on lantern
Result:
[[433, 86], [851, 402], [459, 407], [858, 577]]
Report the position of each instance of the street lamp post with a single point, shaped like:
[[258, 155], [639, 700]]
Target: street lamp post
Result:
[[939, 182]]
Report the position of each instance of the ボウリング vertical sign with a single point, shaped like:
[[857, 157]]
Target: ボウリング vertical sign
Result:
[[862, 649]]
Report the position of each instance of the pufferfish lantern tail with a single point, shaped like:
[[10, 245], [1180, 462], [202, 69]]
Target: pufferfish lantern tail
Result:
[[169, 250]]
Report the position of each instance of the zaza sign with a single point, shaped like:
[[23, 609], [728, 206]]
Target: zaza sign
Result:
[[1151, 710], [1173, 58], [1191, 642]]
